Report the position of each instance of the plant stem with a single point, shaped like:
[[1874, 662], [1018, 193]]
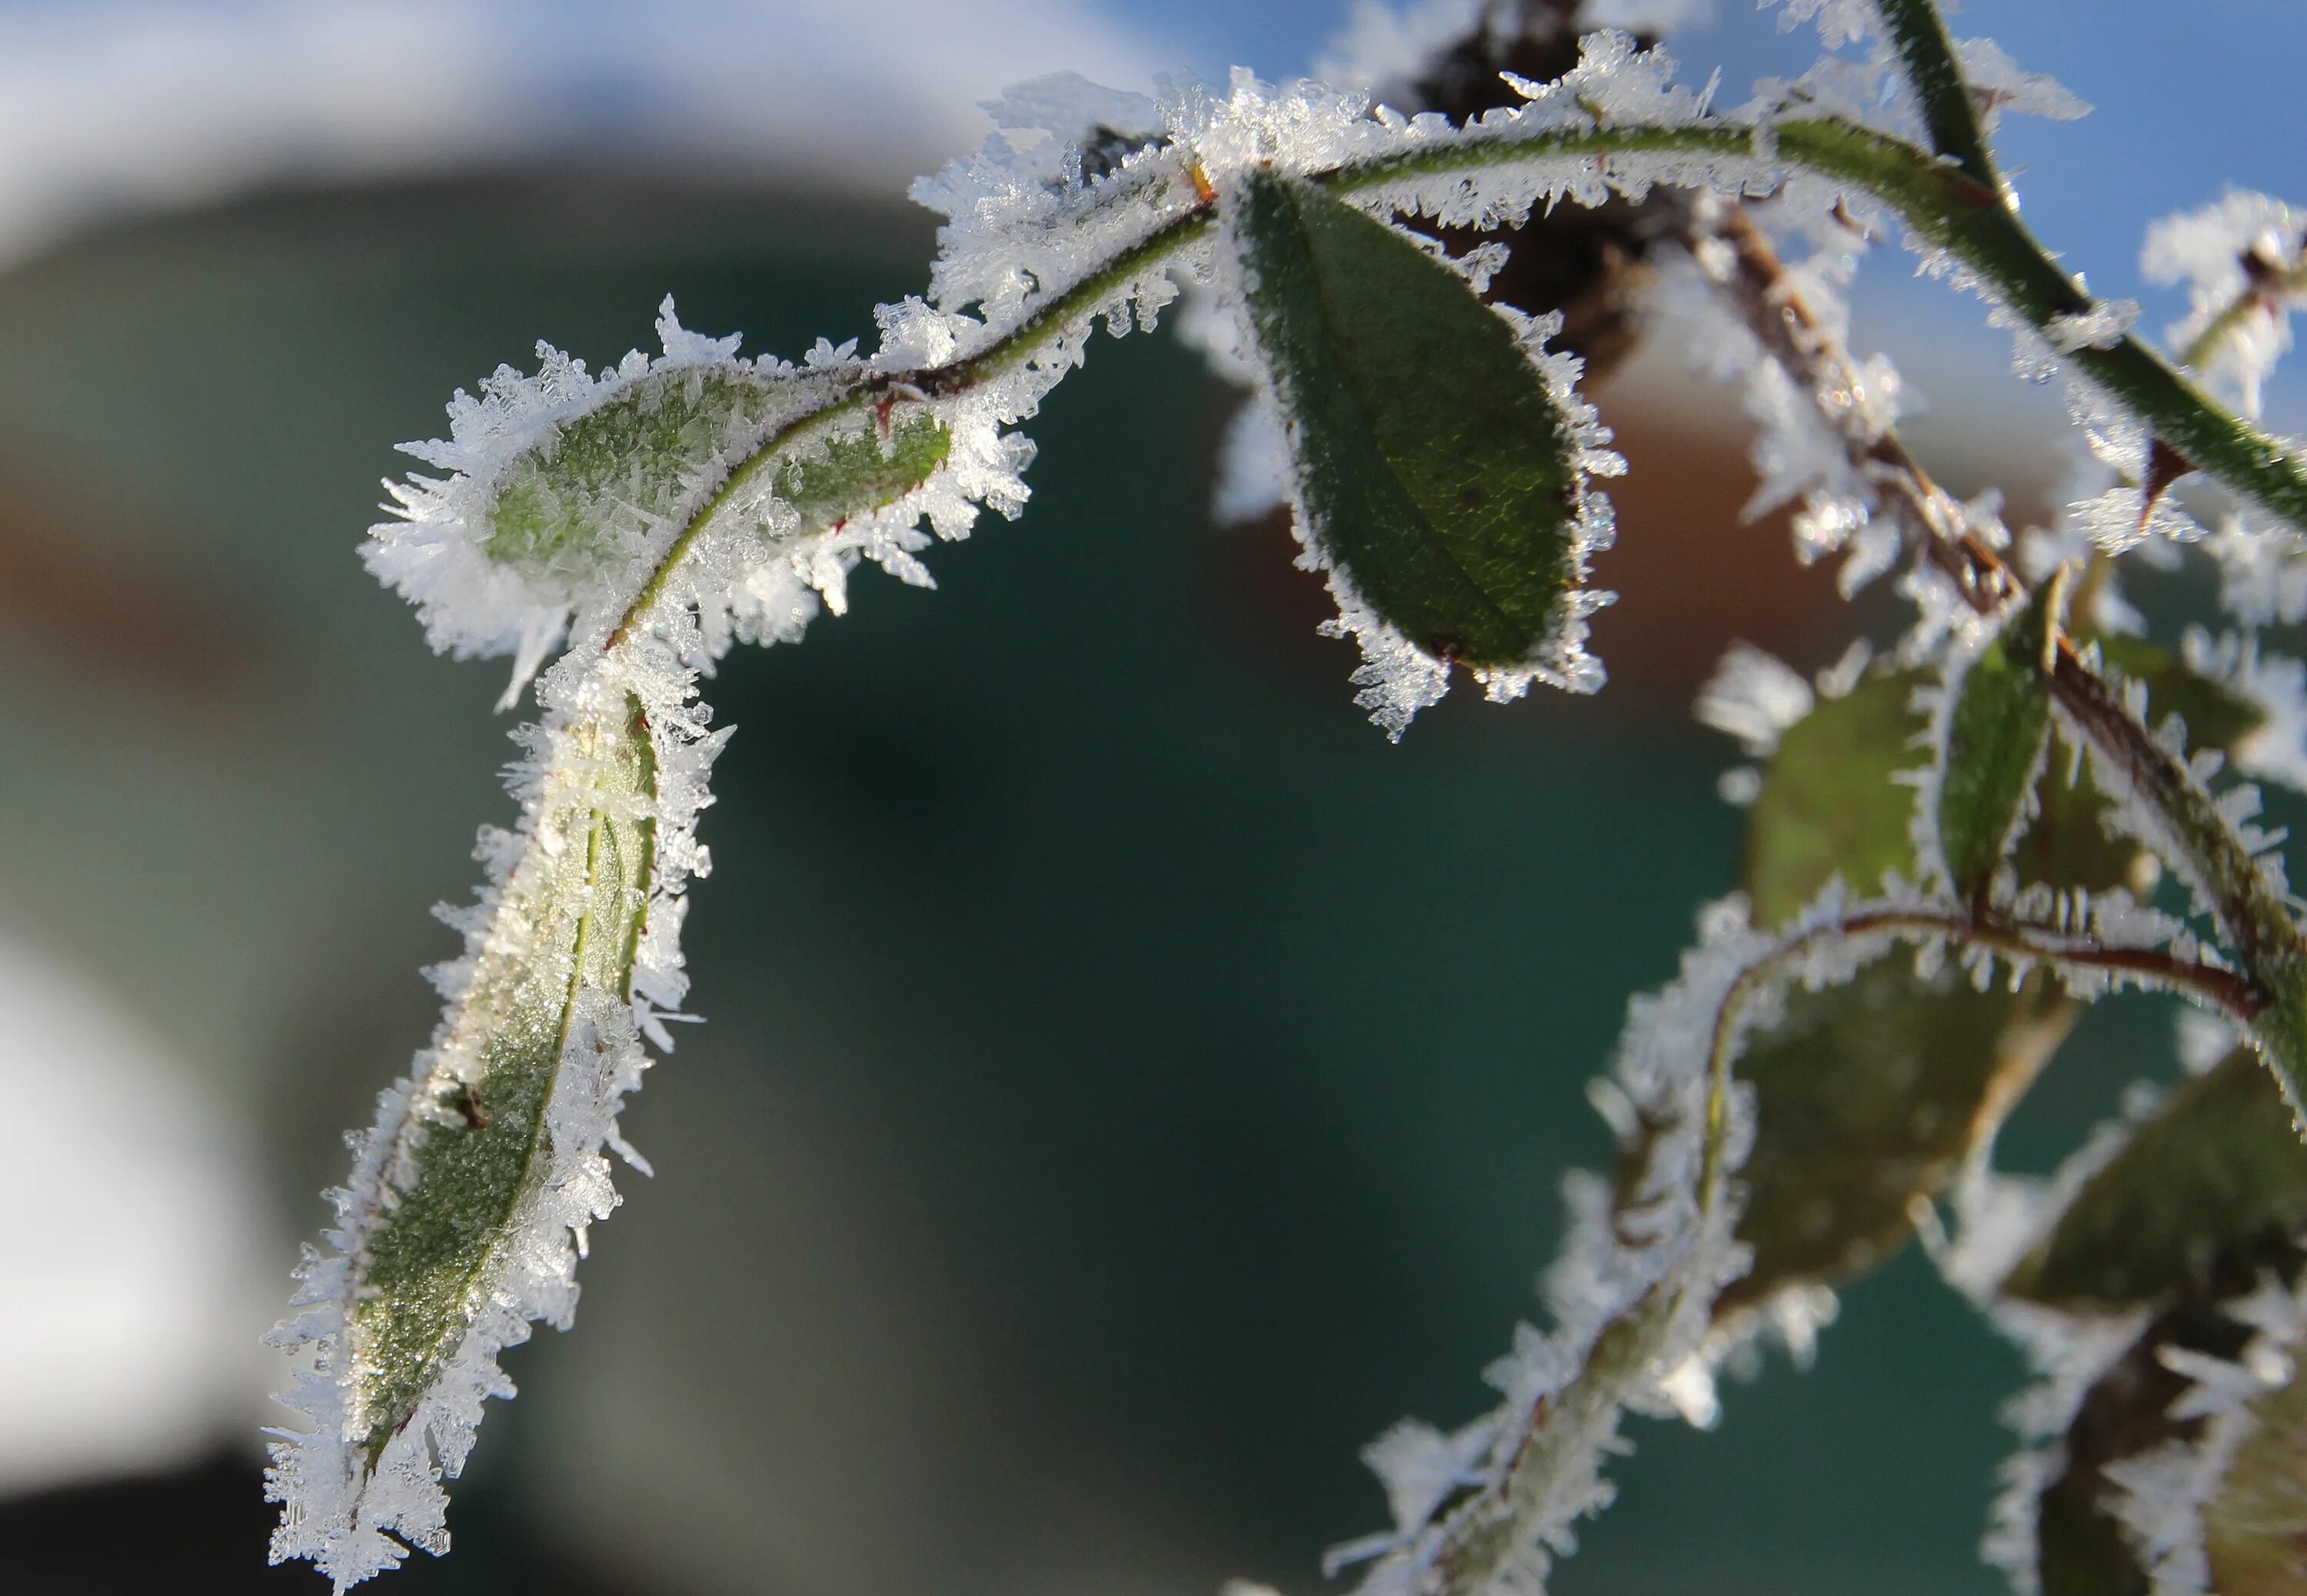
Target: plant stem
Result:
[[1948, 114]]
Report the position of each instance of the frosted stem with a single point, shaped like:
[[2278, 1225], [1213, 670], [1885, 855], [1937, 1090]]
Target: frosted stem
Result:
[[1541, 1473], [1927, 55]]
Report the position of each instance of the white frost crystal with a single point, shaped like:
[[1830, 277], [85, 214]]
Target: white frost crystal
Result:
[[1755, 696], [2241, 260]]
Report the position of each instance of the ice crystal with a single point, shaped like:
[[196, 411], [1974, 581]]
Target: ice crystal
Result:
[[1753, 696], [2242, 260], [1998, 85]]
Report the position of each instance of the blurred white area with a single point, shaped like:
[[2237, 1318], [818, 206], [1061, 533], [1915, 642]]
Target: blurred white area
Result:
[[110, 107], [135, 1240]]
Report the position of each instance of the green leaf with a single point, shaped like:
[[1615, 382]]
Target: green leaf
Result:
[[2217, 1166], [568, 925], [2217, 715], [860, 472], [633, 456], [1996, 730], [1829, 806], [1435, 464], [1868, 1097]]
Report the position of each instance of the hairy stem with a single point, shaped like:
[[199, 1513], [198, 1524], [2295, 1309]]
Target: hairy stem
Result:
[[1949, 114]]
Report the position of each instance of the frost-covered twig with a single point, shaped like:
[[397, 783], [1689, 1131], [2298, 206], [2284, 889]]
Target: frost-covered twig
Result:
[[1435, 170], [1485, 1507]]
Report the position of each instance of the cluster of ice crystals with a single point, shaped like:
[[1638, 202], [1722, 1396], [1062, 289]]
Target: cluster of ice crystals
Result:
[[1999, 84], [1812, 437], [1753, 696], [2241, 259], [2160, 1495], [1840, 21], [2104, 325]]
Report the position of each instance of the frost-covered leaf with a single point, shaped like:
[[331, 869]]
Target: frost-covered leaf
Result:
[[1455, 508], [1868, 1097], [2079, 1546], [1997, 725], [558, 503], [1830, 805], [564, 484], [2183, 1467], [470, 1197], [2218, 1164]]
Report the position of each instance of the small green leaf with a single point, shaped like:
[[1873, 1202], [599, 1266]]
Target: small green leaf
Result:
[[1869, 1096], [1996, 731], [2217, 1166], [475, 1147], [859, 471], [2215, 714], [1435, 464], [634, 454], [1829, 806]]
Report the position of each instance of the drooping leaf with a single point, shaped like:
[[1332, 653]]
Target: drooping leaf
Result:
[[1997, 726], [2217, 1166], [1435, 464], [472, 1159], [471, 1193]]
